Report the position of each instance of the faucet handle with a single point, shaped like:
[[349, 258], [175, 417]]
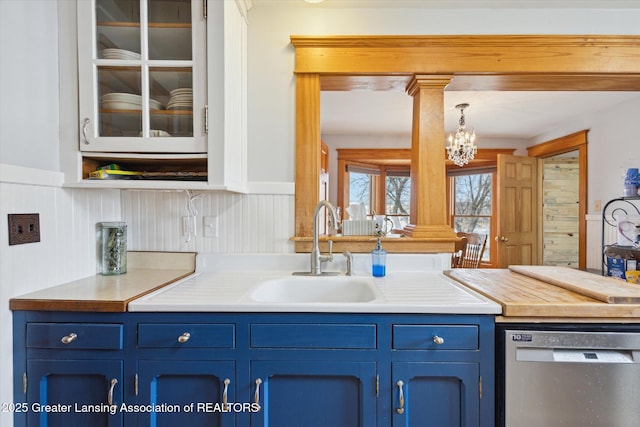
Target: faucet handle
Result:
[[330, 244], [349, 257]]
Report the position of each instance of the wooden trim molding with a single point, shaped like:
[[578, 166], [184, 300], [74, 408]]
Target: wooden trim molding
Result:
[[560, 55], [574, 142], [431, 65], [561, 145]]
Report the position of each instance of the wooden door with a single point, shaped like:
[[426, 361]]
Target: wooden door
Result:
[[517, 215]]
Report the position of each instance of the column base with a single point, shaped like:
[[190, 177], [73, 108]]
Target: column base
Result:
[[443, 232]]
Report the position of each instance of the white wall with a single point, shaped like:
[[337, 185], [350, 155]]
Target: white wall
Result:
[[271, 56], [611, 148], [29, 83]]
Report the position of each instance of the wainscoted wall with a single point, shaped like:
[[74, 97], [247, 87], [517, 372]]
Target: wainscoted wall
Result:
[[66, 251], [560, 211], [594, 240], [247, 223]]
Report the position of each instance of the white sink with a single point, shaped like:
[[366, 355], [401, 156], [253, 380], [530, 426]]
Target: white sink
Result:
[[324, 289]]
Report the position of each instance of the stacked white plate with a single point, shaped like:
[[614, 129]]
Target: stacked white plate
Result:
[[112, 53], [127, 101], [181, 99]]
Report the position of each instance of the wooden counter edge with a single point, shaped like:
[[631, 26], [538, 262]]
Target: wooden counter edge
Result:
[[594, 320], [98, 306]]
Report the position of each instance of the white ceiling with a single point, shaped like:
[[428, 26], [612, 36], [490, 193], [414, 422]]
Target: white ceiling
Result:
[[492, 114]]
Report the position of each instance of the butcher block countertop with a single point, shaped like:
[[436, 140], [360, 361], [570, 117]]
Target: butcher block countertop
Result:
[[550, 296], [146, 272]]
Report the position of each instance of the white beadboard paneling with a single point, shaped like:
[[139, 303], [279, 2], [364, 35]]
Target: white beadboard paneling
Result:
[[594, 241], [66, 251], [247, 223]]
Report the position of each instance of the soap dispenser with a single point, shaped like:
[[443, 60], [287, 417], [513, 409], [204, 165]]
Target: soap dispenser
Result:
[[378, 259]]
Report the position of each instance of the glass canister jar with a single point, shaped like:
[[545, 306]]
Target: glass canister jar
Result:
[[114, 247]]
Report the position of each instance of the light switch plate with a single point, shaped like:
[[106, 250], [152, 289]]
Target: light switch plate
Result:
[[210, 226], [23, 228]]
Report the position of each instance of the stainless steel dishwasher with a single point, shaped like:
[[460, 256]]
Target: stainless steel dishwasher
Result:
[[570, 378]]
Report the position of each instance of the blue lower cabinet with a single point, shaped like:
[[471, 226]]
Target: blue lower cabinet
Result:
[[435, 394], [314, 393], [63, 393], [271, 370], [193, 393]]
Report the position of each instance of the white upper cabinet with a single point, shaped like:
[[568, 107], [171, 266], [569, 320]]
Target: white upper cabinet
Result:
[[162, 94], [142, 72]]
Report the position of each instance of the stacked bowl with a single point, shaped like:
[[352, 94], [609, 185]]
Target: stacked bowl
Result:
[[181, 99]]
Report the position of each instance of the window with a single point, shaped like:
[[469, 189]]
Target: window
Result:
[[472, 204], [398, 197], [362, 186], [381, 190], [377, 178]]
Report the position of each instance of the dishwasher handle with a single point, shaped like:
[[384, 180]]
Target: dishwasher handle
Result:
[[564, 355]]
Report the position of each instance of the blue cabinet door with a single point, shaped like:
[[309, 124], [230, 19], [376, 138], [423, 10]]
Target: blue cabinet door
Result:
[[186, 393], [314, 393], [435, 394], [74, 393]]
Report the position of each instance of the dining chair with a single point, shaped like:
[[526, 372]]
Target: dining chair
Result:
[[474, 246]]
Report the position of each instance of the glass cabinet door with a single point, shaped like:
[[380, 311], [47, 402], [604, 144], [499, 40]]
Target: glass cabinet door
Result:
[[142, 77]]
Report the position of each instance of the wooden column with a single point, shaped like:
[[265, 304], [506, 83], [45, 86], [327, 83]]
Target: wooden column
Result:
[[428, 173], [308, 146]]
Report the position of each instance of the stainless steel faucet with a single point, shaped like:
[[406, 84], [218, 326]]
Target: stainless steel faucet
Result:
[[316, 257]]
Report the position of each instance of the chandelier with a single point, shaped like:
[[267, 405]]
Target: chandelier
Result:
[[462, 146]]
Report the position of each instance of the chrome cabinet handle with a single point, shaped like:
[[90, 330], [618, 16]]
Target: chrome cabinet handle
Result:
[[111, 387], [226, 383], [184, 337], [438, 340], [85, 124], [68, 339], [256, 396], [400, 409]]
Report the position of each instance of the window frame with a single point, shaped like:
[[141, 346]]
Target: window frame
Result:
[[451, 176], [379, 159]]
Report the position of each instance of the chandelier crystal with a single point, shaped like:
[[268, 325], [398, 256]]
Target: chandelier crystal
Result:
[[462, 146]]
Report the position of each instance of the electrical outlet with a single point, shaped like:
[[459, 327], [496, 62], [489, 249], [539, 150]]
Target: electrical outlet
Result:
[[23, 228], [597, 205]]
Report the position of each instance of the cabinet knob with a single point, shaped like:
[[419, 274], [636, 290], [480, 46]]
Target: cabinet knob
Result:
[[68, 339], [184, 338], [400, 409], [438, 340]]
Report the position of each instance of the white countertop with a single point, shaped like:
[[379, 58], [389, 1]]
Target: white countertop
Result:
[[224, 283]]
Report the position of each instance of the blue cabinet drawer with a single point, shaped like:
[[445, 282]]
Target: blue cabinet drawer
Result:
[[435, 337], [189, 335], [345, 336], [80, 336]]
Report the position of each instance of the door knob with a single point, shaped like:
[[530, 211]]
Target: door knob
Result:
[[501, 239]]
